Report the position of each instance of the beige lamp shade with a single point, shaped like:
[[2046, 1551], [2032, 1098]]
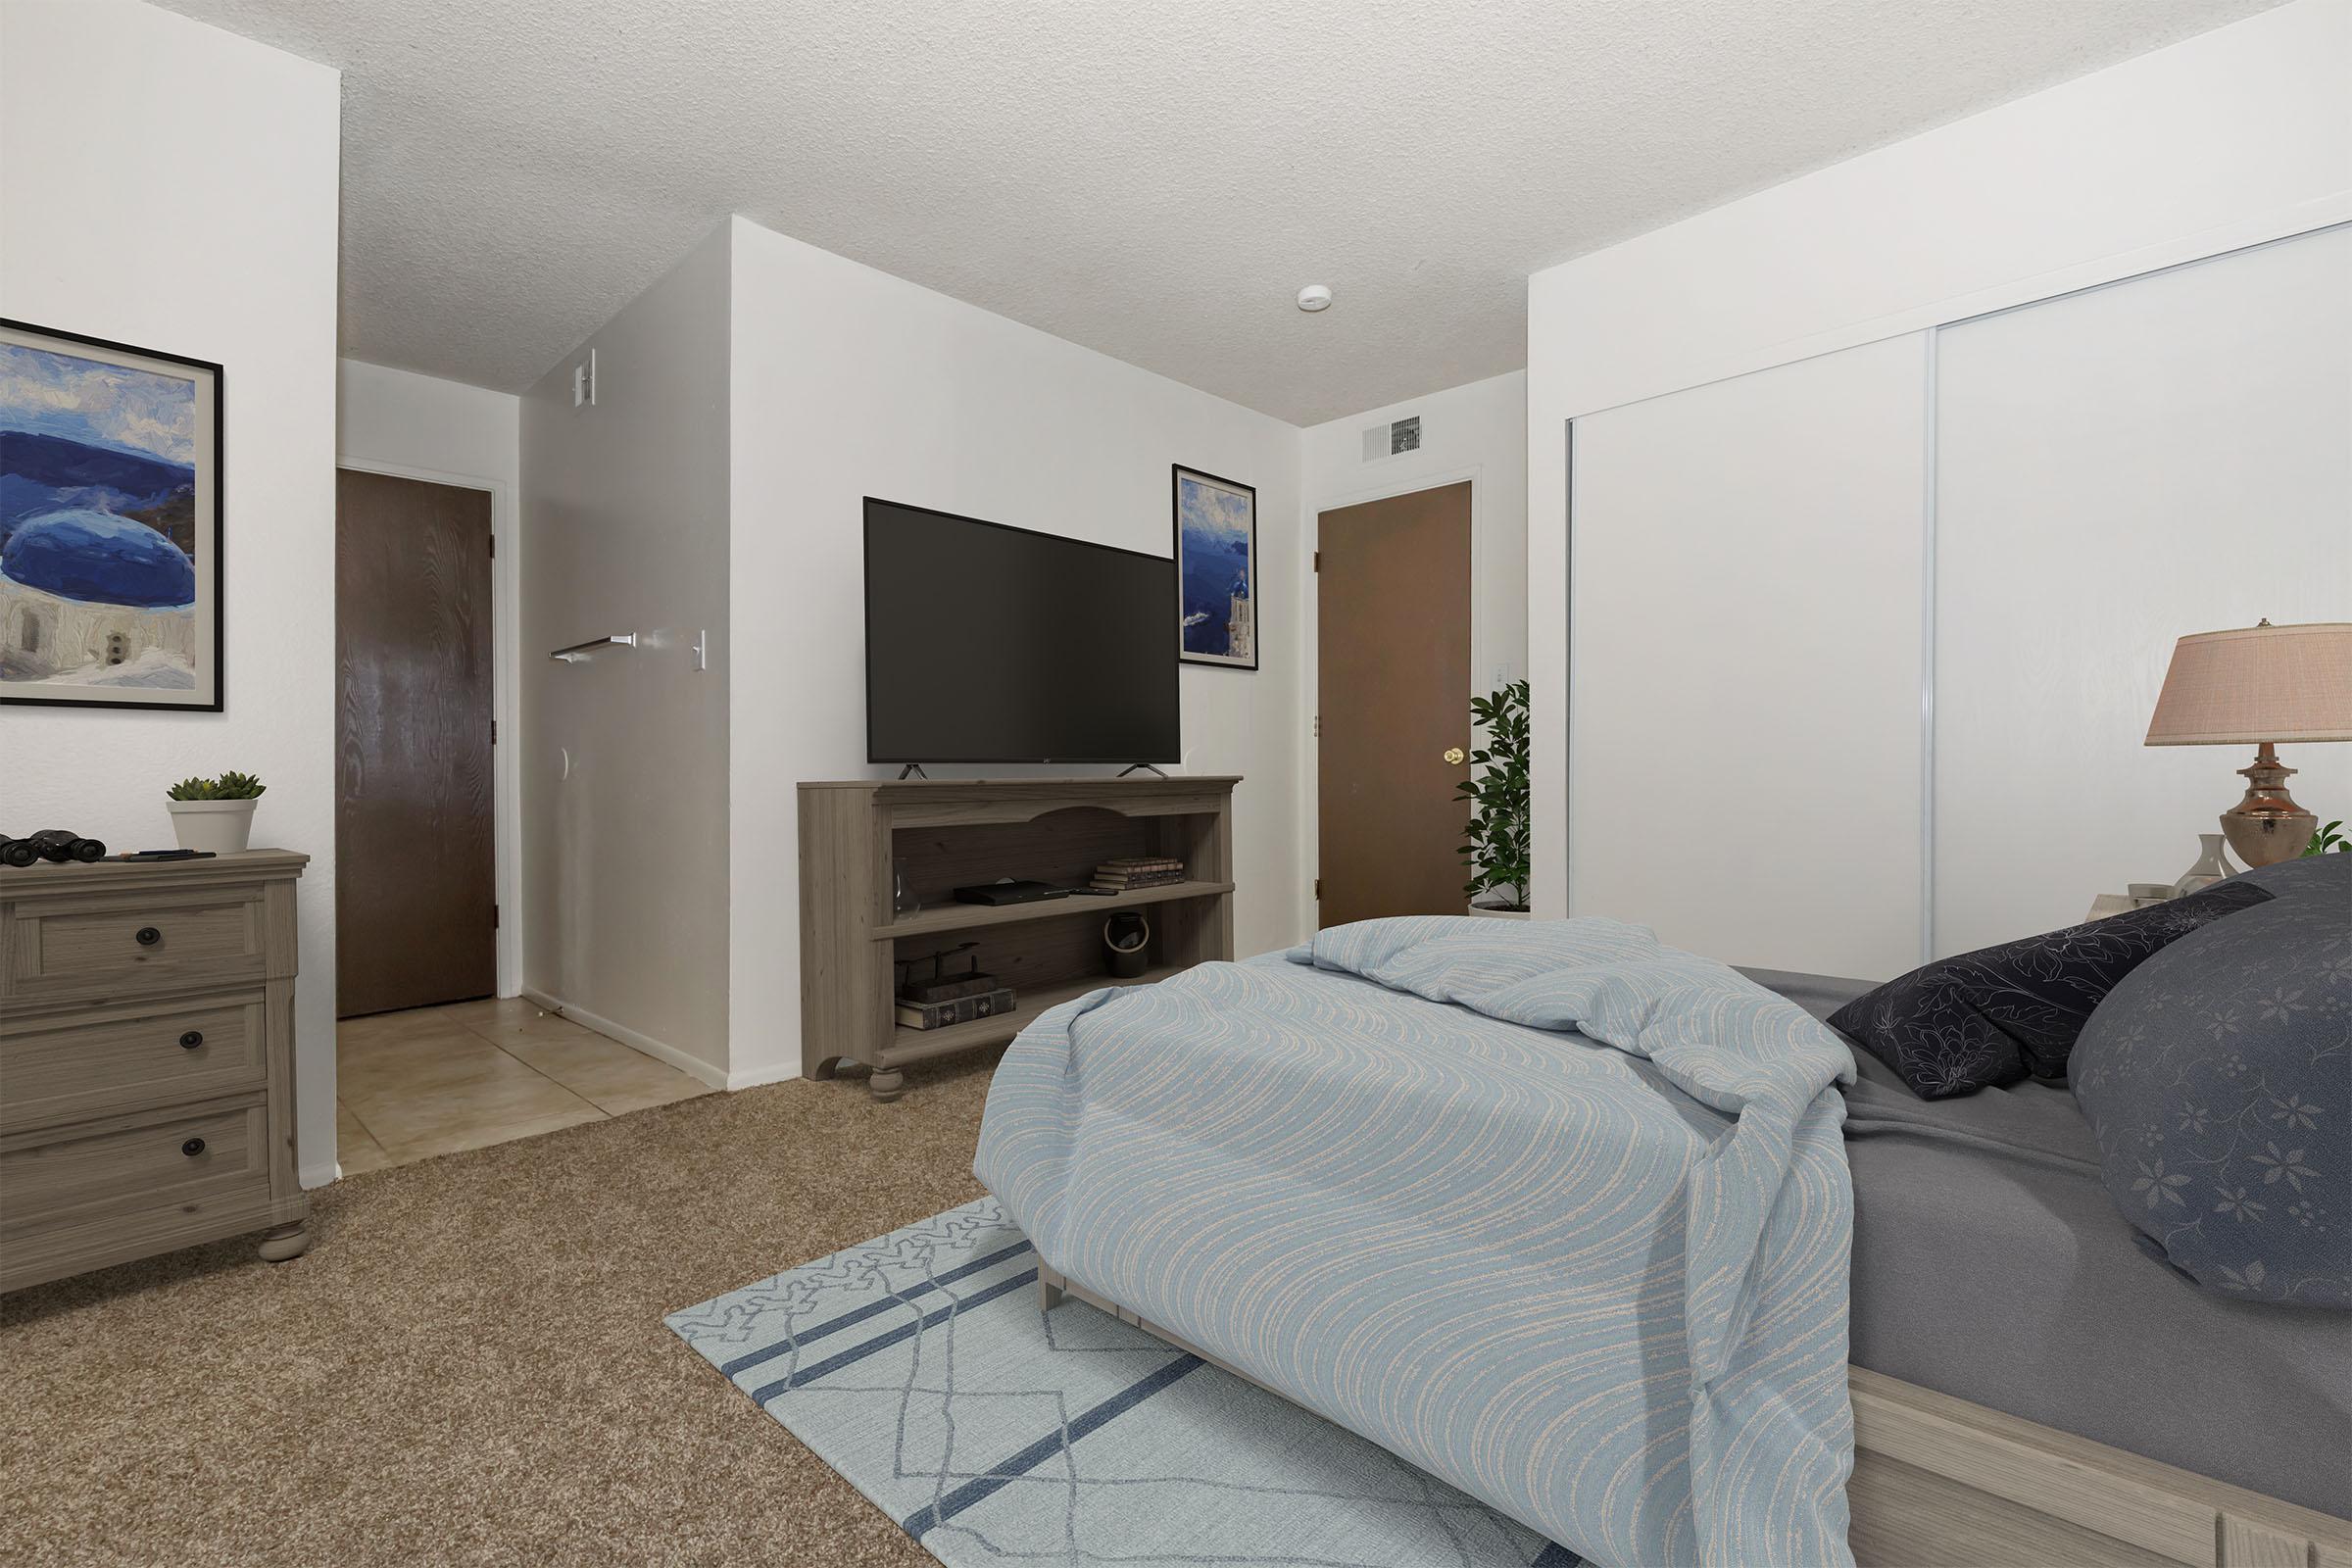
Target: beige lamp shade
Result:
[[2255, 684]]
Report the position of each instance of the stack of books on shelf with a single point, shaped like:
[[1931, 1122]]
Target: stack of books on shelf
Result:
[[946, 999], [1132, 871]]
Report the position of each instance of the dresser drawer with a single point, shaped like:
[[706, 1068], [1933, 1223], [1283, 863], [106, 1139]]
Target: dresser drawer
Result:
[[208, 1156], [73, 1066], [108, 944]]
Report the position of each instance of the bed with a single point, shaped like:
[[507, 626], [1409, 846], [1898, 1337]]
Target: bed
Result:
[[1990, 1265], [1951, 1459]]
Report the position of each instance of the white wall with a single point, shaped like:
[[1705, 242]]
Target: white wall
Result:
[[1477, 431], [624, 754], [849, 382], [423, 427], [196, 214], [421, 423], [2228, 138]]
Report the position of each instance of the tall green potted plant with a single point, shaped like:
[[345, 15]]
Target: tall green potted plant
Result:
[[1496, 848]]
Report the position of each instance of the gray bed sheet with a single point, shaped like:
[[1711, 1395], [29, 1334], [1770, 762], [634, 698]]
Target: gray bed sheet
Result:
[[1990, 1264]]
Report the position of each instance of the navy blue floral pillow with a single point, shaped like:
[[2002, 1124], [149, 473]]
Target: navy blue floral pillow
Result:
[[2214, 1079], [2001, 1014]]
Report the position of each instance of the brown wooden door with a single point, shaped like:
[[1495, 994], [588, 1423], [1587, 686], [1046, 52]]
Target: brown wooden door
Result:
[[415, 883], [1392, 580]]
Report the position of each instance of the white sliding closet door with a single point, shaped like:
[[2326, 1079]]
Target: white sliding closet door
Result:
[[2115, 469], [1745, 730]]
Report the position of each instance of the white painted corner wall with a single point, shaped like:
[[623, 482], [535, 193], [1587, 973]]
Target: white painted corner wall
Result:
[[417, 427], [1477, 431], [2235, 137], [849, 382], [624, 754], [228, 151]]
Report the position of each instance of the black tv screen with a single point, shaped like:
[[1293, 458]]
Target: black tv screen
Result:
[[990, 644]]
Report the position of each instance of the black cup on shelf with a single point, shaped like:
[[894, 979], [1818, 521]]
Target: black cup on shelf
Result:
[[1126, 936]]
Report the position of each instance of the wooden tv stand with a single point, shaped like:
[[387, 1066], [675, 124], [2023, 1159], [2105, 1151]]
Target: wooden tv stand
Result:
[[952, 833]]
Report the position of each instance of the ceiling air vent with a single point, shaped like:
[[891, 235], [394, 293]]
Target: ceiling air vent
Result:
[[1393, 439]]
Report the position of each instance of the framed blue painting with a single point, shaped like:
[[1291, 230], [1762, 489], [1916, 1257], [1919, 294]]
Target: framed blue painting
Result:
[[110, 525], [1216, 570]]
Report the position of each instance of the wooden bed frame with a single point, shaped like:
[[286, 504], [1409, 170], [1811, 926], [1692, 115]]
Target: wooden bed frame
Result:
[[1940, 1483]]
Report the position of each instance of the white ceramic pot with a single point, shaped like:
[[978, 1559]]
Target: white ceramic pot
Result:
[[223, 827], [1499, 914]]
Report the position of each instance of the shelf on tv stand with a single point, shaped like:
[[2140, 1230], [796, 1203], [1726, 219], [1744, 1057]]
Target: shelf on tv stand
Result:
[[908, 1046], [968, 916], [957, 832]]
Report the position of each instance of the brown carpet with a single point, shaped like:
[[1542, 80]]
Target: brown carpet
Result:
[[469, 1366]]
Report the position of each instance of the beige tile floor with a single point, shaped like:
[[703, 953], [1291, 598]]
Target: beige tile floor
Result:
[[436, 1080]]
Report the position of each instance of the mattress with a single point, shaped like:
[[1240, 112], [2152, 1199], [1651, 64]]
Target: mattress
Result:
[[1989, 1263]]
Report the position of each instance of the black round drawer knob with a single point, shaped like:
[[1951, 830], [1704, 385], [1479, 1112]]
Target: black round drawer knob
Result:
[[148, 936], [192, 1147], [191, 1040]]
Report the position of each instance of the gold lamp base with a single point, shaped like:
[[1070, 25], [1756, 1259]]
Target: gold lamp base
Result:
[[2267, 826]]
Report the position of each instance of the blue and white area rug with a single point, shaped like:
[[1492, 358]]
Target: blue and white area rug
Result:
[[920, 1367]]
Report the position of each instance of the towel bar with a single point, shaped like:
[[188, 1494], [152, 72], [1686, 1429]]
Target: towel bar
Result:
[[580, 651]]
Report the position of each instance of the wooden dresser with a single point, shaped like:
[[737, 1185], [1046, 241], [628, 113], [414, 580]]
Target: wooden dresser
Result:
[[146, 1060]]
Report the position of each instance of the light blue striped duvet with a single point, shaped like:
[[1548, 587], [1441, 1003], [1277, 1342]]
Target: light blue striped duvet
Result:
[[1603, 1289]]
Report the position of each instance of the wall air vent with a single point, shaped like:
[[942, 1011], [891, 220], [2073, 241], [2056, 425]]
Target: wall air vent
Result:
[[1393, 439]]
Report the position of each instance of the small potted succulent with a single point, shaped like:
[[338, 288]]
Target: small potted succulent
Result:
[[214, 814], [1500, 821]]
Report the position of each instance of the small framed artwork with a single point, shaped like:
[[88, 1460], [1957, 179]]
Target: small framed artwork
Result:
[[110, 523], [1216, 570]]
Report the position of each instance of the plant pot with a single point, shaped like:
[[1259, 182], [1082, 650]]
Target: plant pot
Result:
[[1491, 913], [223, 827]]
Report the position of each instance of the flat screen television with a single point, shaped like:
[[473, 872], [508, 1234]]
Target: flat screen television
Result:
[[990, 644]]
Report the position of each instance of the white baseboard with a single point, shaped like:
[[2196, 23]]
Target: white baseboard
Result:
[[715, 1077], [313, 1177], [774, 1073]]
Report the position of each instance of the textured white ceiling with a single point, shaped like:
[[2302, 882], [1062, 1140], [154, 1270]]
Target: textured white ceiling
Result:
[[1154, 178]]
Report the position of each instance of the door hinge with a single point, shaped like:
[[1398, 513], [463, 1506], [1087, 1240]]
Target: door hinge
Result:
[[494, 733], [1319, 726], [1318, 561], [494, 545], [1318, 886], [494, 918]]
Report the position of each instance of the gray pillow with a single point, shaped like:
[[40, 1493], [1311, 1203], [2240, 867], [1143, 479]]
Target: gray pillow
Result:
[[2218, 1079]]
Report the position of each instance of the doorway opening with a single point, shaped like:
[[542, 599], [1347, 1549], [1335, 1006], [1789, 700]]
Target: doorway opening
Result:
[[1393, 632], [429, 1059]]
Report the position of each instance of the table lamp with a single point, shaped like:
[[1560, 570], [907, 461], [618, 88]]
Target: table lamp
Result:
[[2259, 686]]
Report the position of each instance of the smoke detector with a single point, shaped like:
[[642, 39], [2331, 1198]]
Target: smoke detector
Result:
[[1315, 297]]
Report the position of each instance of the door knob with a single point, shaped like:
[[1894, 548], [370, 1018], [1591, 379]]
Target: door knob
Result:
[[1454, 756]]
